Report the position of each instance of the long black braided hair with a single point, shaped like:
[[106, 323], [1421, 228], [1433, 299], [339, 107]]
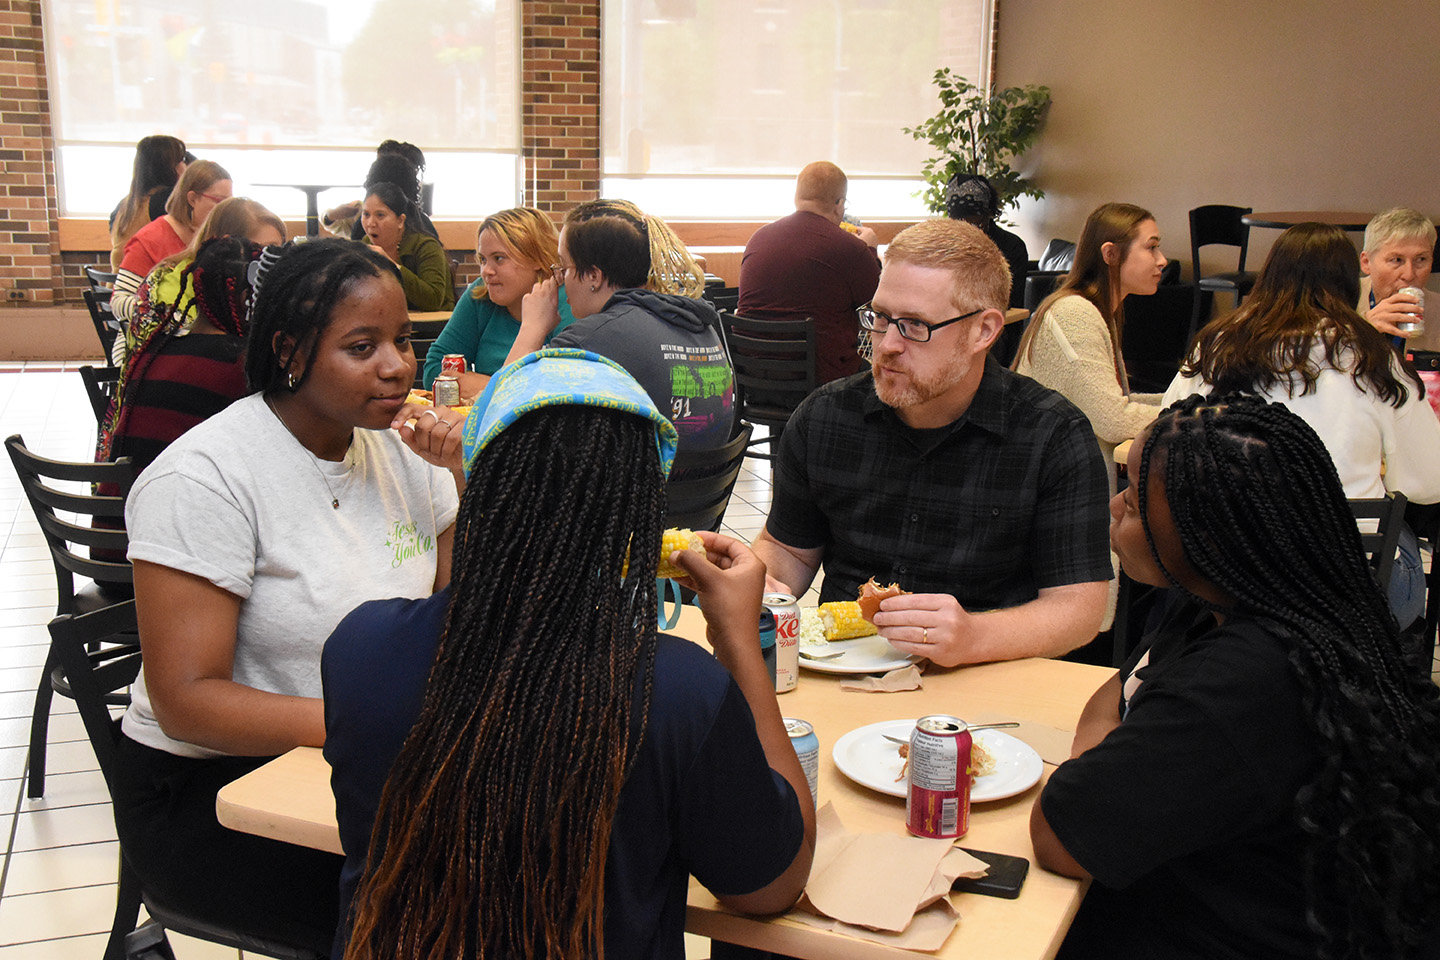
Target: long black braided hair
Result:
[[296, 288], [1261, 515], [493, 830]]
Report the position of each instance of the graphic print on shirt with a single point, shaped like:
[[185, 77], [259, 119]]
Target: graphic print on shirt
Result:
[[697, 373], [408, 541]]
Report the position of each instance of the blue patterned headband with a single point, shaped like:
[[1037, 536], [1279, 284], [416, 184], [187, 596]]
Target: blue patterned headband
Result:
[[561, 376]]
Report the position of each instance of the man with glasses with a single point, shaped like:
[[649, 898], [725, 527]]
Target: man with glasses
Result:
[[807, 266], [975, 488]]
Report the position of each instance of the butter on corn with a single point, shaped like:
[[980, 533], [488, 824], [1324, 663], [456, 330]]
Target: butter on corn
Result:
[[677, 539], [842, 621]]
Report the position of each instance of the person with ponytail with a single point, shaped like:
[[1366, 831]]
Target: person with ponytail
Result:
[[1262, 778], [522, 767]]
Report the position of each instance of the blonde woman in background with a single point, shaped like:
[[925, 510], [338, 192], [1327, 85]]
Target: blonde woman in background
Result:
[[159, 162]]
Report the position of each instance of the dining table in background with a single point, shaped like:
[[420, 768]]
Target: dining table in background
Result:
[[1352, 220], [289, 799], [312, 193]]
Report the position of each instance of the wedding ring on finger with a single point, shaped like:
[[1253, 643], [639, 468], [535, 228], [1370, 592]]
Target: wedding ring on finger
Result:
[[924, 634]]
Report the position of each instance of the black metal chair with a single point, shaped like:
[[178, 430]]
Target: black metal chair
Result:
[[76, 549], [701, 483], [100, 388], [724, 299], [99, 654], [774, 363], [422, 335], [107, 328], [101, 280], [1388, 514], [1218, 224]]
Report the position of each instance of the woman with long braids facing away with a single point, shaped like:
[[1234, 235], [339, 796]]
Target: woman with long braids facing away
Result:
[[1262, 778], [251, 536], [567, 769], [1297, 340]]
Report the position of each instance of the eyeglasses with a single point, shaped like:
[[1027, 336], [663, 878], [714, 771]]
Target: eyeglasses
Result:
[[558, 272], [214, 199], [918, 331]]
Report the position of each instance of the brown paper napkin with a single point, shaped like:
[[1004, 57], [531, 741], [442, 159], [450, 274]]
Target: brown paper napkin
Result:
[[883, 887], [905, 678], [1051, 743]]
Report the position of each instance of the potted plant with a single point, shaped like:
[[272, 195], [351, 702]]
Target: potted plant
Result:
[[980, 132]]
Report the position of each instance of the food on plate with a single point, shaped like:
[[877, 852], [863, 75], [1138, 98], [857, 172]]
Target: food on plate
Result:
[[982, 764], [842, 621], [677, 539], [427, 399], [812, 631], [871, 593]]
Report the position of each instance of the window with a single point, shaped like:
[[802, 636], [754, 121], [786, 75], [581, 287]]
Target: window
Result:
[[287, 92], [710, 107]]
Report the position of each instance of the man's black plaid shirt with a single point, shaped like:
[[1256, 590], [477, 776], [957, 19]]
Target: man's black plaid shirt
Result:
[[1010, 498]]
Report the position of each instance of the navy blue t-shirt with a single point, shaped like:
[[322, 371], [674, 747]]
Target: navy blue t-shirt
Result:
[[701, 798]]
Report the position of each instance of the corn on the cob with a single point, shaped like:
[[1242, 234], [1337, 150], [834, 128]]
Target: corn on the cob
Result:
[[843, 621], [676, 539]]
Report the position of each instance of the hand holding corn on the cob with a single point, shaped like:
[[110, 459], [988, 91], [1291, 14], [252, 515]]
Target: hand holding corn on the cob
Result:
[[677, 539]]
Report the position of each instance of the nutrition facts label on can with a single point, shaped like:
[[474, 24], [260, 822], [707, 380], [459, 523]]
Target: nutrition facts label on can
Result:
[[934, 764]]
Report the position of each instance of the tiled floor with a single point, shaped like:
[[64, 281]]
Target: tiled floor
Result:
[[57, 855]]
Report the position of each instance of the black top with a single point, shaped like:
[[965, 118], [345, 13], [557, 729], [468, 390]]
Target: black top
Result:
[[1008, 499], [1016, 256], [701, 798], [1185, 813]]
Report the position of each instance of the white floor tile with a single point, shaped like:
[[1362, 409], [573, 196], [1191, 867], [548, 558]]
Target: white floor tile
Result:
[[41, 829], [60, 913], [82, 865], [30, 655], [69, 790], [69, 948], [19, 678], [188, 948], [21, 703]]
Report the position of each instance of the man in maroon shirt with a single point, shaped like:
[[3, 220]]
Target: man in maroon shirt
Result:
[[805, 265]]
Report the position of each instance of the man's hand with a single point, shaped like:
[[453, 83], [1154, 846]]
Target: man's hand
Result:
[[872, 240], [730, 580], [930, 625], [1396, 308]]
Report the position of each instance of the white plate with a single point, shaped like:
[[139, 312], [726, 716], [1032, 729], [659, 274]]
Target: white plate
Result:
[[865, 756], [862, 655]]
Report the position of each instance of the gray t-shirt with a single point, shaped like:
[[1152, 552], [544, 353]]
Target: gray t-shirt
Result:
[[238, 501]]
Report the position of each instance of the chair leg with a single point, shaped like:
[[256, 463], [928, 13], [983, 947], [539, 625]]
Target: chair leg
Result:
[[40, 729], [1194, 317], [127, 910]]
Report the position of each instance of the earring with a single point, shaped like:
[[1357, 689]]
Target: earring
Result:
[[594, 287], [291, 380]]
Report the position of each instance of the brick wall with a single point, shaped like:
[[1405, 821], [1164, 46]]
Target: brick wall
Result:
[[560, 103], [29, 244]]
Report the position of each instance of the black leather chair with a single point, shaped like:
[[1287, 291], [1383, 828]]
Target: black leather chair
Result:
[[774, 363], [1218, 224], [72, 544], [701, 482], [99, 654]]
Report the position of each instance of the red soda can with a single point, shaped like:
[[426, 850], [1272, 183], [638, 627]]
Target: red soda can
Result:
[[787, 639], [452, 363], [937, 803]]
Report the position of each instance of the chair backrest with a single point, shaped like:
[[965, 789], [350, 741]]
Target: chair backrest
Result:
[[100, 654], [101, 279], [107, 538], [722, 298], [1059, 256], [423, 334], [774, 363], [100, 388], [1217, 223], [98, 303], [701, 483], [1389, 513]]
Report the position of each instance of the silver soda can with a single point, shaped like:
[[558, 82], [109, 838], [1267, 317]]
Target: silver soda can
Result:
[[1417, 324], [787, 639], [807, 748], [937, 799], [447, 391]]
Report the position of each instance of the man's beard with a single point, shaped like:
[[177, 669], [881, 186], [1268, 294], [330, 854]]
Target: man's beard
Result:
[[902, 391]]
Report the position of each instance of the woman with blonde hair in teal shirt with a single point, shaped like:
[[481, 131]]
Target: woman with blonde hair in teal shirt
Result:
[[515, 249]]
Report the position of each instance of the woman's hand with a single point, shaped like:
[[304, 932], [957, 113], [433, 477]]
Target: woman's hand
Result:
[[472, 384], [730, 581], [436, 434], [391, 253], [540, 308]]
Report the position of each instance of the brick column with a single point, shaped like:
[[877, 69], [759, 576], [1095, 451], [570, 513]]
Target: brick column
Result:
[[560, 103], [29, 239]]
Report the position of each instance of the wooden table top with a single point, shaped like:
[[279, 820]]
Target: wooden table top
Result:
[[289, 799], [1284, 219]]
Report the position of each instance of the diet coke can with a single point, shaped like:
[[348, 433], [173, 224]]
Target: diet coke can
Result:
[[937, 803], [787, 639], [807, 748], [1416, 324], [447, 390], [452, 363]]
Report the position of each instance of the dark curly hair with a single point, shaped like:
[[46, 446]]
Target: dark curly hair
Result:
[[297, 287], [1262, 516]]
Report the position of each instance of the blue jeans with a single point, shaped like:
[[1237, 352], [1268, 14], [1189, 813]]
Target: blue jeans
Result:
[[1407, 580]]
